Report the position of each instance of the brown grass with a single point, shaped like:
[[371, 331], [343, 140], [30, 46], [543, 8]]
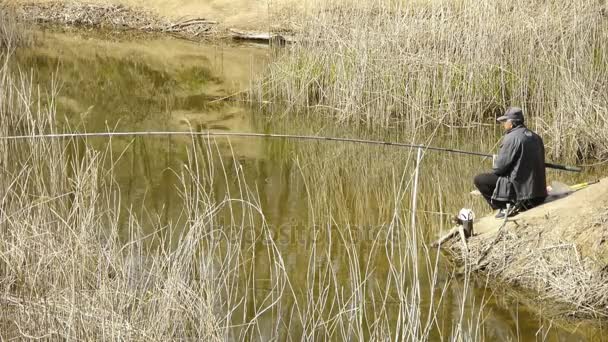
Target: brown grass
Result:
[[558, 250], [65, 273], [456, 64], [11, 34], [75, 263]]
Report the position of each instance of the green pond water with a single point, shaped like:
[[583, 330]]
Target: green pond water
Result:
[[307, 191]]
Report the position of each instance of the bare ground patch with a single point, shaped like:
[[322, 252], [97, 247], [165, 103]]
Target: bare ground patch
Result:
[[115, 17]]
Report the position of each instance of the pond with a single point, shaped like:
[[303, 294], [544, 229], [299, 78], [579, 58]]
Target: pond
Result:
[[338, 214]]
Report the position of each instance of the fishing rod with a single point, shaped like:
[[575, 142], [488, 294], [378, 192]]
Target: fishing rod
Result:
[[266, 135]]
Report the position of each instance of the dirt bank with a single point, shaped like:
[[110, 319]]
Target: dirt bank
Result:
[[560, 250], [187, 18]]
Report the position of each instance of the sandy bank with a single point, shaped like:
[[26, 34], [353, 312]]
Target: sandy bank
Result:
[[560, 250], [188, 18]]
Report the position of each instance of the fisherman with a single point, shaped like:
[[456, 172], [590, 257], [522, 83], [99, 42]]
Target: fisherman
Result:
[[518, 171]]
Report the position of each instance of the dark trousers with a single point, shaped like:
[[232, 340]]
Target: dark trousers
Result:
[[486, 183]]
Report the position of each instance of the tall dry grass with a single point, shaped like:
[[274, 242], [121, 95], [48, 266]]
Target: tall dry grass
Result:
[[75, 264], [11, 34], [455, 64], [65, 271]]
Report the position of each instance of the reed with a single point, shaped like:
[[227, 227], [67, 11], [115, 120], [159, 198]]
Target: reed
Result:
[[76, 263], [12, 34], [454, 64], [68, 269]]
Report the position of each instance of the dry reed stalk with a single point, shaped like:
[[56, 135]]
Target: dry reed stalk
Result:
[[68, 273], [71, 268], [405, 281], [456, 64], [11, 33], [555, 270], [65, 271]]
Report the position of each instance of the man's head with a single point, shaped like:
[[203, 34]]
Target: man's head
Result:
[[513, 117]]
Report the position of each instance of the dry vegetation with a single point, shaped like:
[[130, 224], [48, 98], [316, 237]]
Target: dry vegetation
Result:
[[559, 250], [453, 63], [11, 35], [75, 264], [64, 271]]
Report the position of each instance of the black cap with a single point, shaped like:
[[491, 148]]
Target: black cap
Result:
[[512, 113]]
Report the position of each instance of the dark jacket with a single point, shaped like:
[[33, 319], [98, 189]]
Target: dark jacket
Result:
[[520, 166]]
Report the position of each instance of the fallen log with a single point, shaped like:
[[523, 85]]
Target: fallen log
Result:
[[267, 37], [192, 22]]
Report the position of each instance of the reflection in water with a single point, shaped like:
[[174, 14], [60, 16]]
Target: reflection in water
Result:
[[124, 87], [133, 86]]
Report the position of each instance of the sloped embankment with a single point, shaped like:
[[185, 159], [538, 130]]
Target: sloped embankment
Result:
[[560, 250]]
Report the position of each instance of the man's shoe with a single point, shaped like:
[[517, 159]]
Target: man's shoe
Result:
[[501, 213]]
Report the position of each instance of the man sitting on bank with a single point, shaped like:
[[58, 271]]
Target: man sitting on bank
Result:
[[518, 175]]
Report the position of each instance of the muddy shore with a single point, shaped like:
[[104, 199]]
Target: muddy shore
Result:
[[140, 19], [559, 250]]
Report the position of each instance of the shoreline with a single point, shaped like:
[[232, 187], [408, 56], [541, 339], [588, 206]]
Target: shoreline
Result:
[[558, 251], [118, 18]]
